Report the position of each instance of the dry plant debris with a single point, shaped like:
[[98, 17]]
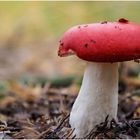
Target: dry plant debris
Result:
[[42, 112]]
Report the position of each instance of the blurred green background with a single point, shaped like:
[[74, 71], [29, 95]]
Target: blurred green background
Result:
[[30, 32]]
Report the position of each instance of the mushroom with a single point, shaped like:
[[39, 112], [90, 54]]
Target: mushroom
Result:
[[103, 45]]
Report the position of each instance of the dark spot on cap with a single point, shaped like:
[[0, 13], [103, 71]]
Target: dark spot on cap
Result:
[[60, 41], [117, 27], [123, 20], [85, 25], [93, 41], [79, 27], [61, 44], [104, 22], [86, 45]]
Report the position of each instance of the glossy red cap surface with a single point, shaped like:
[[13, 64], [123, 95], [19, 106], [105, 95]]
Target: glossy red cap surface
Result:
[[102, 42]]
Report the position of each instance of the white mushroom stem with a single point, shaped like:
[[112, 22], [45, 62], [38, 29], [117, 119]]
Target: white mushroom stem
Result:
[[98, 97]]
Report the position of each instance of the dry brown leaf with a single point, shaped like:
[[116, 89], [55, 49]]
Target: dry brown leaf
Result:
[[131, 81], [24, 92], [137, 113], [7, 100]]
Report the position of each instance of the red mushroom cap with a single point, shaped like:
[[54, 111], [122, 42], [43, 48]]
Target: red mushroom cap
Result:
[[103, 42]]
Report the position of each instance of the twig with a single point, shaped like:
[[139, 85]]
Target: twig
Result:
[[61, 123]]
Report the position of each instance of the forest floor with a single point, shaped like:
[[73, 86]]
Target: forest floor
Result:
[[41, 111]]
